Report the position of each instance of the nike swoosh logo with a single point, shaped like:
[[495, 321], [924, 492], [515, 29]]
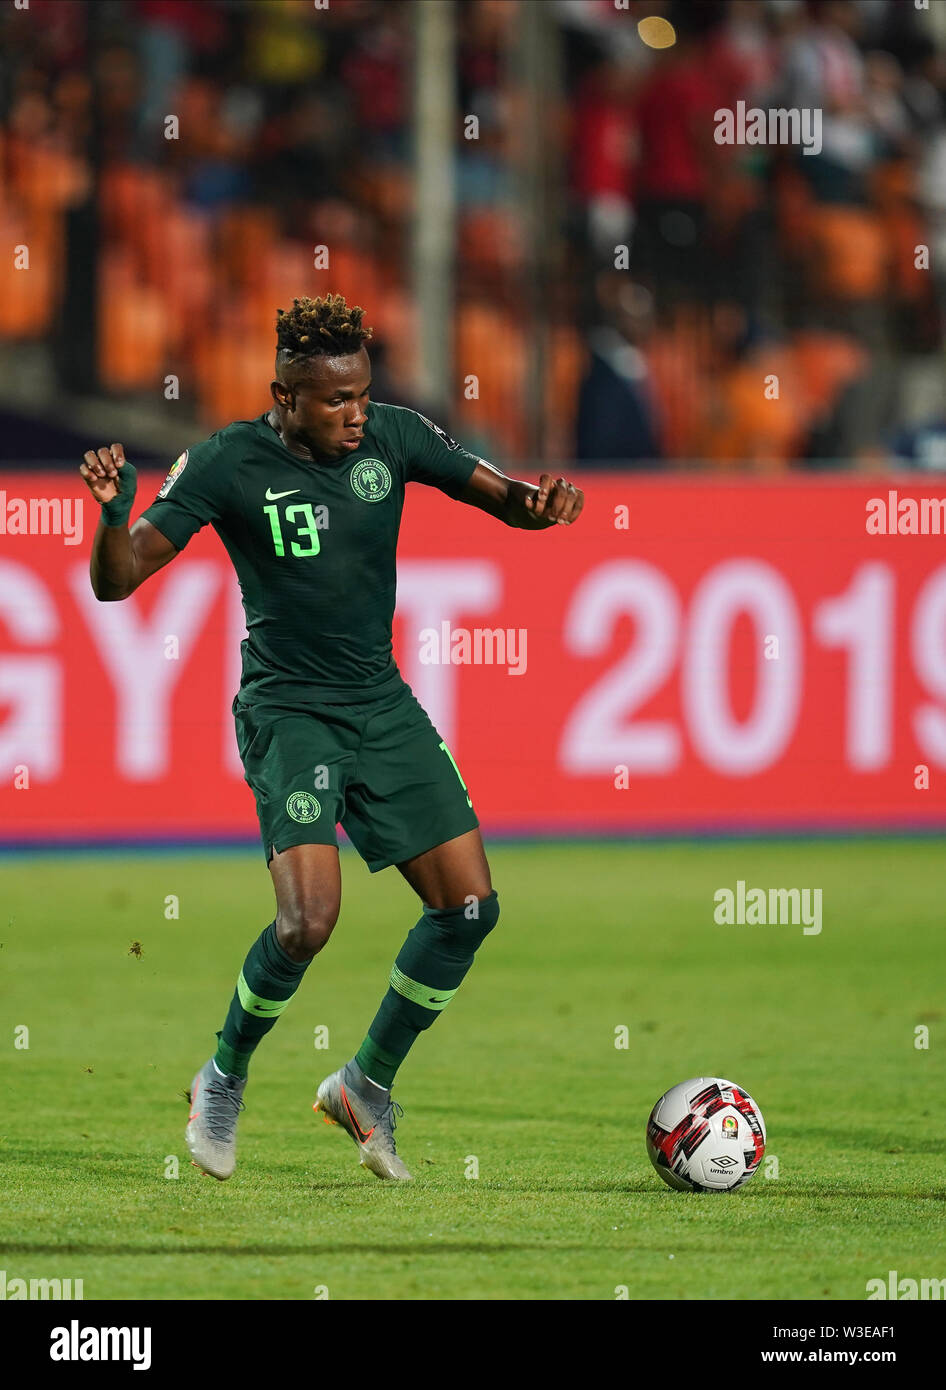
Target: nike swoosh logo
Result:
[[275, 496], [258, 1009], [362, 1136], [432, 1000]]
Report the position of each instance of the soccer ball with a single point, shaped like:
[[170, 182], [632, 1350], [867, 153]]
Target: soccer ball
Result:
[[706, 1135]]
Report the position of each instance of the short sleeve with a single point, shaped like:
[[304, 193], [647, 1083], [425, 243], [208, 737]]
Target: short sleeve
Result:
[[432, 457], [192, 494]]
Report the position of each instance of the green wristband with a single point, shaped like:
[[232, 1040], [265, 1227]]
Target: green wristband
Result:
[[117, 512]]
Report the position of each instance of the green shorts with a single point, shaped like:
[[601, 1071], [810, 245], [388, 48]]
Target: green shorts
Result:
[[379, 768]]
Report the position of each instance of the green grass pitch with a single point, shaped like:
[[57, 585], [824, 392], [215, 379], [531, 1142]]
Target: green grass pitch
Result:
[[519, 1079]]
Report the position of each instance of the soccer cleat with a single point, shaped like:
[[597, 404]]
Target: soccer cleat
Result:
[[344, 1099], [216, 1102]]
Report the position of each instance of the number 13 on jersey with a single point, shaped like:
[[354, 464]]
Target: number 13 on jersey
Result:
[[306, 528]]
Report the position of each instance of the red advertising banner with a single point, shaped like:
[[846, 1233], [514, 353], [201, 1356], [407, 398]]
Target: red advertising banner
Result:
[[696, 654]]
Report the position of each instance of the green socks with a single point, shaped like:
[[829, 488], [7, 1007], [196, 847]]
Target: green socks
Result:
[[267, 982], [429, 970]]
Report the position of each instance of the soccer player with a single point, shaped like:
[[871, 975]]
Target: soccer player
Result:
[[307, 500]]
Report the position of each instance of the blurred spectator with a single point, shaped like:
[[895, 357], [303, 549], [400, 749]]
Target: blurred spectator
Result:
[[617, 405], [825, 71], [170, 36], [679, 159], [605, 152]]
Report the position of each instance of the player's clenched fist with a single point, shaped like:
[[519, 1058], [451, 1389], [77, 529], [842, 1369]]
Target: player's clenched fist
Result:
[[112, 481], [557, 501], [100, 471]]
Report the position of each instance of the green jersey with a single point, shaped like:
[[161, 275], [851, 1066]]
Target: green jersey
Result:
[[313, 545]]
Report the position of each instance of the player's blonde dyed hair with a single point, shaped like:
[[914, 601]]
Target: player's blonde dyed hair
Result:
[[324, 327]]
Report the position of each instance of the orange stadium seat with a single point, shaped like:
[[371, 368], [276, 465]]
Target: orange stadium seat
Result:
[[393, 316], [28, 297], [904, 231], [794, 203], [893, 183], [750, 428], [387, 191], [490, 346], [350, 272], [489, 241], [179, 264], [565, 368], [846, 258], [132, 325], [826, 362], [285, 274], [289, 272], [682, 388], [182, 236], [234, 363], [134, 203], [197, 103], [41, 178], [245, 237]]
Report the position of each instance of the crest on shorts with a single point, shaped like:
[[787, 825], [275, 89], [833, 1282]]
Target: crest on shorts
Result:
[[303, 807], [371, 480], [174, 474]]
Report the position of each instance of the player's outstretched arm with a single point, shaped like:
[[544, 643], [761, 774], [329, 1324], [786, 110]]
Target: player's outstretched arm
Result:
[[121, 559], [552, 502]]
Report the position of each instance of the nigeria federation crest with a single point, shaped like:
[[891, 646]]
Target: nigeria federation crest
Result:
[[174, 474], [371, 480], [303, 807]]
